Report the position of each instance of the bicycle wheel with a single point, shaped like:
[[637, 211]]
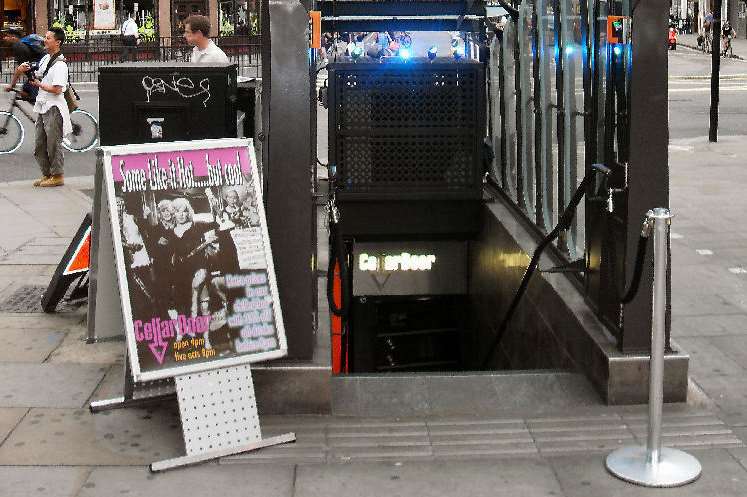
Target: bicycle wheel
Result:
[[85, 132], [11, 133]]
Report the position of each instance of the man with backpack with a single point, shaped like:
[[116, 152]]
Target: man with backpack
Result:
[[53, 122], [25, 49]]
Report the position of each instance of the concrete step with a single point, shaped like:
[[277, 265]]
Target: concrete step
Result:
[[306, 388], [469, 393]]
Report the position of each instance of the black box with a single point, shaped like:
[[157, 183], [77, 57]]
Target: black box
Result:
[[406, 130], [156, 102]]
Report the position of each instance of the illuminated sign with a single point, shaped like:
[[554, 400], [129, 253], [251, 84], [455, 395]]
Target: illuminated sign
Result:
[[618, 29], [400, 262], [407, 267]]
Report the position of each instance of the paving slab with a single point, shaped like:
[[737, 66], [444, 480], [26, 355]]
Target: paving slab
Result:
[[48, 385], [203, 480], [39, 321], [28, 345], [525, 477], [75, 349], [740, 454], [125, 437], [379, 453], [112, 385], [30, 481], [482, 451], [9, 419], [585, 475], [709, 325]]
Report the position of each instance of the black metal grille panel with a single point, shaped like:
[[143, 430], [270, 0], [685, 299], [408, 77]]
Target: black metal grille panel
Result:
[[393, 99], [408, 129], [426, 163]]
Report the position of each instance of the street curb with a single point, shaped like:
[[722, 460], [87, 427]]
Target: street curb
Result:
[[695, 47], [727, 77]]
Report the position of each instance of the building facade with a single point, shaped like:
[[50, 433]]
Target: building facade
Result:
[[164, 18]]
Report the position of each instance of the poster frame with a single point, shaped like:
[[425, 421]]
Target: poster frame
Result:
[[111, 26], [140, 376]]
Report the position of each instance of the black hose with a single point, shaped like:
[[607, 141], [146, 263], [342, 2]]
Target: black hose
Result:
[[564, 223]]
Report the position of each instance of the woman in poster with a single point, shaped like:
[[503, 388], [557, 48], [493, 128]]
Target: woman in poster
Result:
[[161, 241], [185, 240]]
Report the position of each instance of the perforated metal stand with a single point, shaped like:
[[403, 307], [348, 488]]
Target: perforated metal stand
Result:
[[219, 417]]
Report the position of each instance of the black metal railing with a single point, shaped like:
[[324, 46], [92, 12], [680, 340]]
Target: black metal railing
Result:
[[84, 58], [557, 107]]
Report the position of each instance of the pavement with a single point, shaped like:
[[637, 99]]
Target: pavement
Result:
[[51, 445]]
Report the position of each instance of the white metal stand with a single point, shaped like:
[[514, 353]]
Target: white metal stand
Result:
[[219, 417], [654, 466]]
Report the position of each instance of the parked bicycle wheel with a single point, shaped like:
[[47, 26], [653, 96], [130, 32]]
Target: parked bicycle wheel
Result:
[[85, 132], [11, 133]]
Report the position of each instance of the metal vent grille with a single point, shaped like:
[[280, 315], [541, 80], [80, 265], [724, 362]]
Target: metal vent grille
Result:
[[427, 163], [421, 99], [405, 130]]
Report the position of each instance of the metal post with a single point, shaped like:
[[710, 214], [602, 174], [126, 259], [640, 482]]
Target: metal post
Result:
[[660, 218], [654, 466], [715, 70]]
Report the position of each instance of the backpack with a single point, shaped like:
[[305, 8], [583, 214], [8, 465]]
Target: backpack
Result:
[[36, 43]]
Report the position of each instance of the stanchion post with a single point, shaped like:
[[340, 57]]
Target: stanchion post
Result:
[[653, 465]]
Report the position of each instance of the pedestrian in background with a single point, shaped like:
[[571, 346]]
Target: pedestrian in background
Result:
[[25, 49], [197, 34], [53, 122], [129, 40]]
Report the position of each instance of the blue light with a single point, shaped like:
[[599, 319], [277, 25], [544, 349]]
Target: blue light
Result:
[[569, 50], [617, 50], [404, 53], [432, 52], [356, 53]]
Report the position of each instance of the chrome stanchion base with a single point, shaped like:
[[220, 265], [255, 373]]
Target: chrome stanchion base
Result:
[[675, 467]]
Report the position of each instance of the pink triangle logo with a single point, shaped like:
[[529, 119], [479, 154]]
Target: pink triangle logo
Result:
[[156, 353]]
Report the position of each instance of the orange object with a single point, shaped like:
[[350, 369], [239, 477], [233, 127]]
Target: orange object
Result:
[[81, 258], [316, 28], [672, 35], [615, 29], [337, 324]]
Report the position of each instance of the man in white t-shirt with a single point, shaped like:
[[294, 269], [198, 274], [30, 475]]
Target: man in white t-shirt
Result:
[[197, 34], [53, 122], [129, 40]]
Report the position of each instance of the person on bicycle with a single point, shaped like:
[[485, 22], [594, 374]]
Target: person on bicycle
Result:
[[25, 49], [53, 122], [727, 33]]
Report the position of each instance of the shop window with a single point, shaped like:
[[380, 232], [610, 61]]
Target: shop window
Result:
[[77, 16], [238, 18], [17, 15]]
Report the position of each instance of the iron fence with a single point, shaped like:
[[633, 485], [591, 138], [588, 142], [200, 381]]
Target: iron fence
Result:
[[85, 58]]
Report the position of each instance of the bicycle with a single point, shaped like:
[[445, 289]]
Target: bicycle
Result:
[[84, 137], [707, 43]]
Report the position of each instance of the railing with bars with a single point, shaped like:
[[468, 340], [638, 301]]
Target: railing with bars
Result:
[[84, 58], [559, 99]]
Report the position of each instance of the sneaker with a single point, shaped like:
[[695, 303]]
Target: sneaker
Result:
[[56, 180], [39, 181]]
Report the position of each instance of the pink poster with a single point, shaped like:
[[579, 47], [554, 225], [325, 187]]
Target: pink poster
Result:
[[196, 274]]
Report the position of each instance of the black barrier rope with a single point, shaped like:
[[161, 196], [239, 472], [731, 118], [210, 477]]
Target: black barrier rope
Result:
[[640, 257], [564, 223]]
